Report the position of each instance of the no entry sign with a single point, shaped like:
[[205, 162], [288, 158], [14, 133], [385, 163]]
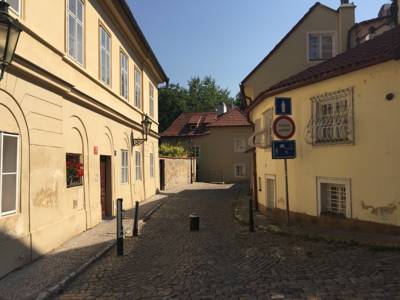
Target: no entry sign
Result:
[[284, 127]]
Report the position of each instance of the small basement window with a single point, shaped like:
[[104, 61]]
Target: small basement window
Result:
[[74, 169], [334, 197]]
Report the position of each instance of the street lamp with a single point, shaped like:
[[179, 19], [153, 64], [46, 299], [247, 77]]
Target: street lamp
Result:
[[191, 160], [146, 126], [10, 30]]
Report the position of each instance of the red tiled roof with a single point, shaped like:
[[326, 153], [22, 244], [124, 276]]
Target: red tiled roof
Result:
[[234, 117], [195, 119], [181, 126], [378, 50]]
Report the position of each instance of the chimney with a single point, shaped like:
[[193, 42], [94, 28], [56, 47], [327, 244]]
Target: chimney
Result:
[[347, 19], [221, 109]]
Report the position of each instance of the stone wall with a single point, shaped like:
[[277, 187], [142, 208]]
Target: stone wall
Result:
[[177, 171]]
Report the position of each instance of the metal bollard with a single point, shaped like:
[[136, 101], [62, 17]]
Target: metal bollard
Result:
[[135, 222], [194, 222], [120, 228]]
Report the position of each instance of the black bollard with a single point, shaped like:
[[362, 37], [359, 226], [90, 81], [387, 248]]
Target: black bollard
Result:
[[120, 228], [194, 222], [251, 215], [135, 222]]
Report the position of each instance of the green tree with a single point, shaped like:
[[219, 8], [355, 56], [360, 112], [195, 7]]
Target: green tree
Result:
[[172, 102], [200, 95]]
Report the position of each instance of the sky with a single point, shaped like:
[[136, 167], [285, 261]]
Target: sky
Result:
[[223, 38]]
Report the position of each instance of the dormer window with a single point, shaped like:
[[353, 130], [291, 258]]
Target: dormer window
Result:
[[320, 46], [193, 126]]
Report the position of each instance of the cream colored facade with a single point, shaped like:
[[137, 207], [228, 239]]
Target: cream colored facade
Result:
[[368, 165], [217, 157], [293, 49], [55, 106]]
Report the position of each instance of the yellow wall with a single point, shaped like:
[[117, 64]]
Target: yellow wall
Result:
[[217, 156], [294, 50], [371, 163], [57, 107]]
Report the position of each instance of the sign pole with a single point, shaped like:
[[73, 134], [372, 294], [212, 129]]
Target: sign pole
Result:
[[287, 193]]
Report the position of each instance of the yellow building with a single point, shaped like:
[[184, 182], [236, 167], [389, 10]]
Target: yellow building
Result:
[[82, 80], [218, 141], [346, 112]]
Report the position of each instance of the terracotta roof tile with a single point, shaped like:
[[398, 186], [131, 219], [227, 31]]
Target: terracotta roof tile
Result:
[[181, 127], [383, 48], [234, 117]]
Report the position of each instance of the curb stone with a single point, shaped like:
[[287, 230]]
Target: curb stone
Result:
[[59, 287], [276, 229]]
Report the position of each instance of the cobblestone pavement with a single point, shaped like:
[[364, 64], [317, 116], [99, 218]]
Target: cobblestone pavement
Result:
[[224, 261], [26, 283]]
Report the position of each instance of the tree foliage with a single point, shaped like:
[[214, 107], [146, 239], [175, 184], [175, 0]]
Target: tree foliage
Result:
[[200, 95], [176, 151]]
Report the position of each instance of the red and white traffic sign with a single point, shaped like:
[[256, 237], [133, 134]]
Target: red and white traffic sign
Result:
[[284, 127]]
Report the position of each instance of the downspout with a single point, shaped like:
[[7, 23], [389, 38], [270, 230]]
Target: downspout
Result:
[[255, 182]]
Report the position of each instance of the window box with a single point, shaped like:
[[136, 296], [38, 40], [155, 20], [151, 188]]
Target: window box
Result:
[[74, 170]]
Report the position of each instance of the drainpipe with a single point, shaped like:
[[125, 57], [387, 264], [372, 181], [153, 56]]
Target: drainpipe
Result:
[[255, 182]]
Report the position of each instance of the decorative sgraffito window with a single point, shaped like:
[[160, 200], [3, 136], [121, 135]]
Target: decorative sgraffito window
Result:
[[75, 171], [332, 118]]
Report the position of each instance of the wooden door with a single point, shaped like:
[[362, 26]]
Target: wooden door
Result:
[[103, 185]]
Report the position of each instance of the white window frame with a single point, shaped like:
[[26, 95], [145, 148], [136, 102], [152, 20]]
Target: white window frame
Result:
[[196, 151], [239, 148], [270, 177], [336, 181], [320, 35], [138, 165], [243, 168], [18, 13], [151, 99], [138, 87], [106, 77], [124, 166], [124, 74], [17, 173], [336, 127], [152, 165], [82, 23]]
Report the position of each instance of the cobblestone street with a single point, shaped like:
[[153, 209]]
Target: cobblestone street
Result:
[[224, 261]]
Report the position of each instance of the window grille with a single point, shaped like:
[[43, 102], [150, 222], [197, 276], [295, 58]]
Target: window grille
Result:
[[332, 119], [9, 173], [270, 191], [334, 197], [124, 166], [75, 29]]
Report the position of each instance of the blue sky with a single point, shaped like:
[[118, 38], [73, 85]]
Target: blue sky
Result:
[[222, 38]]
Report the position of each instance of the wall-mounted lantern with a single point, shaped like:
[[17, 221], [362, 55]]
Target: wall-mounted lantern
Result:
[[10, 30], [146, 126]]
